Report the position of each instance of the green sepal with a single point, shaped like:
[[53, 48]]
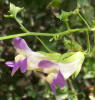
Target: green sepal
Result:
[[57, 56], [52, 56], [75, 56]]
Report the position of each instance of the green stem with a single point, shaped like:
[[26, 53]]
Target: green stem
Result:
[[22, 27], [68, 27], [72, 88], [49, 50], [25, 34], [88, 41], [45, 34], [44, 45], [75, 30], [84, 20], [87, 34]]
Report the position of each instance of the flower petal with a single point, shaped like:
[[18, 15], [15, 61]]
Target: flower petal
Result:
[[10, 63], [15, 68], [20, 43], [69, 68], [45, 64], [60, 81], [23, 65]]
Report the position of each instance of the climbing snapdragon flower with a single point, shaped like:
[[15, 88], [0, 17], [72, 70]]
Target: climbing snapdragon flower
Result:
[[58, 67]]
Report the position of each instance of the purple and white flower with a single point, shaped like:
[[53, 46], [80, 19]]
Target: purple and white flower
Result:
[[26, 59], [57, 71]]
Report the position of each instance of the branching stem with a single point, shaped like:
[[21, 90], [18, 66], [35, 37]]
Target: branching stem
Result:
[[46, 34]]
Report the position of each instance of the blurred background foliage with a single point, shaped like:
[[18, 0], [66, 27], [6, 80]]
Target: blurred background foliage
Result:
[[40, 16]]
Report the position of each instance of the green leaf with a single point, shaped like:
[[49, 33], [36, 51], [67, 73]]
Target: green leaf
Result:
[[13, 11], [64, 15], [52, 56]]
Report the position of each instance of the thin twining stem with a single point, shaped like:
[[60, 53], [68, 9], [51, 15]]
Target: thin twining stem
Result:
[[46, 34], [84, 20], [21, 26], [44, 45], [87, 34]]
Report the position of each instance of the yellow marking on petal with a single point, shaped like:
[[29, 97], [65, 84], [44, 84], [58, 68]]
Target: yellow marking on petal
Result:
[[50, 70], [22, 52], [19, 57], [51, 76], [34, 68]]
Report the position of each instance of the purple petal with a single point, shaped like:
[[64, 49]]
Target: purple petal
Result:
[[20, 43], [16, 67], [45, 64], [23, 66], [10, 63], [52, 85], [60, 81]]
